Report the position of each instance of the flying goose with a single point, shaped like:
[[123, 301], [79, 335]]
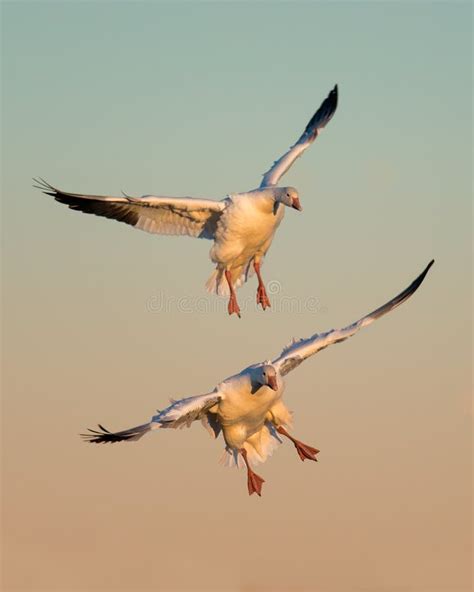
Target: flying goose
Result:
[[241, 226], [248, 408]]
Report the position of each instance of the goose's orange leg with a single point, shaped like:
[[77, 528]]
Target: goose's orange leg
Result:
[[233, 305], [304, 451], [254, 481], [262, 297]]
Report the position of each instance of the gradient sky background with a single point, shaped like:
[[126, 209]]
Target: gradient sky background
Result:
[[104, 323]]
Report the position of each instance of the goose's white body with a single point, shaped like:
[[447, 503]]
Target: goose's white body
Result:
[[244, 234], [248, 407], [248, 420]]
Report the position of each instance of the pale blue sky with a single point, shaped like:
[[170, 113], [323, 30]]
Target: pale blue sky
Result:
[[198, 99]]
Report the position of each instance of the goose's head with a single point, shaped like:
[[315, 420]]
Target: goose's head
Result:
[[267, 376], [289, 197]]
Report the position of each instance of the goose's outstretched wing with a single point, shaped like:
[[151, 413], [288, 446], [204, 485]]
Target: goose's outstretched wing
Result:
[[158, 215], [177, 415], [319, 120], [297, 351], [183, 412]]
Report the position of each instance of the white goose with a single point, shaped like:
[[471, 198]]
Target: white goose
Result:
[[242, 225], [248, 407]]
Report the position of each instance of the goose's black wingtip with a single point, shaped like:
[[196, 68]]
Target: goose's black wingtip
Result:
[[419, 280], [426, 270], [99, 437], [103, 435], [44, 186], [331, 102]]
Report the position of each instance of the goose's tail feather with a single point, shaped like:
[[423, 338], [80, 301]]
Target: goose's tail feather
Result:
[[259, 447], [217, 284], [104, 436]]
